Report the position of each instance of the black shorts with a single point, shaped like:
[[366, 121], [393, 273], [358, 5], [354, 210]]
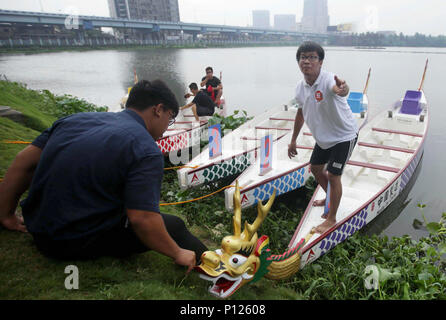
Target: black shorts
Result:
[[205, 111], [335, 157]]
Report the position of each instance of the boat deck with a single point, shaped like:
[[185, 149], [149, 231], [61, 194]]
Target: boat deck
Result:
[[385, 148]]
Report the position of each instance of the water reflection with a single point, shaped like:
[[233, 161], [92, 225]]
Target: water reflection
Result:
[[159, 64]]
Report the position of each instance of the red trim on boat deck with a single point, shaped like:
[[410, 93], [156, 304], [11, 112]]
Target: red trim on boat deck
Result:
[[308, 134], [380, 146], [282, 119], [373, 166], [271, 128], [398, 132]]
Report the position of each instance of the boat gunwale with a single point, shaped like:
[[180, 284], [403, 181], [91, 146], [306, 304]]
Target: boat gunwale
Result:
[[246, 189], [182, 132]]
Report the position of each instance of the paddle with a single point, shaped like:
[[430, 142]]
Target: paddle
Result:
[[135, 76], [367, 82], [327, 201], [424, 76]]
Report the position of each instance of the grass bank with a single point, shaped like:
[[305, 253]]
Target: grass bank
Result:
[[407, 269]]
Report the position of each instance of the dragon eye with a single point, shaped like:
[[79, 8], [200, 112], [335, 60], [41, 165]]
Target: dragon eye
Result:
[[237, 260]]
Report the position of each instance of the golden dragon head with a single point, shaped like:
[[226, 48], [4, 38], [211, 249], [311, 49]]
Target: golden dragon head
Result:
[[243, 257]]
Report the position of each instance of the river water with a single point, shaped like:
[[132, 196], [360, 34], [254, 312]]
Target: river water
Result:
[[256, 79]]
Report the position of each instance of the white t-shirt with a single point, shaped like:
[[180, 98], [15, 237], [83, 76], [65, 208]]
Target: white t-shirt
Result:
[[328, 115]]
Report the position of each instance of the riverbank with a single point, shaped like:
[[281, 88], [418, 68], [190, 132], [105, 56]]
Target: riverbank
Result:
[[409, 269]]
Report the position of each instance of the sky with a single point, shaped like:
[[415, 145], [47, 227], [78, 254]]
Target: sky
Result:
[[406, 16]]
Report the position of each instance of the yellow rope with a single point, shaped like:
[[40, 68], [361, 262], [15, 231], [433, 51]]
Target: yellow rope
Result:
[[15, 142], [180, 167], [200, 198]]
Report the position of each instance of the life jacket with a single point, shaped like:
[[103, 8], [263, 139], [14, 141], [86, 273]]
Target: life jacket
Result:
[[211, 92]]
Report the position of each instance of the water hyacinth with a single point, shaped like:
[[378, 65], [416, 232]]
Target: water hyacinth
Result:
[[376, 275]]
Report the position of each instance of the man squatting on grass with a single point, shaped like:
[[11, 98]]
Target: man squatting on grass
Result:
[[324, 107], [95, 181]]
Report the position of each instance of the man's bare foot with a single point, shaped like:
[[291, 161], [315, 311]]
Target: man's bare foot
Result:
[[319, 203], [324, 226]]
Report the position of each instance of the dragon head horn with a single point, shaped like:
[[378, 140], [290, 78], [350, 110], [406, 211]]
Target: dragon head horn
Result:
[[262, 211], [237, 219]]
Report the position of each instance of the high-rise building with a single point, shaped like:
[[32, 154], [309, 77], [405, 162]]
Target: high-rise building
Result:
[[315, 17], [161, 10], [260, 19], [285, 22]]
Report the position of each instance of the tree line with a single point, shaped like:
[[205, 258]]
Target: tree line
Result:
[[385, 40]]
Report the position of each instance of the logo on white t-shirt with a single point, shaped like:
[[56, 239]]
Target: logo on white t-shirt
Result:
[[319, 96]]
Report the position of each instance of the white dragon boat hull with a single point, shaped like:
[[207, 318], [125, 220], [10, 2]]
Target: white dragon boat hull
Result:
[[388, 151]]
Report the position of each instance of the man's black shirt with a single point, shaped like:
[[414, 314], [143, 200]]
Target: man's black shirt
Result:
[[203, 100]]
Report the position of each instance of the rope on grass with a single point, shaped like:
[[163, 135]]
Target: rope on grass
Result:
[[197, 199], [172, 168], [27, 142], [15, 142]]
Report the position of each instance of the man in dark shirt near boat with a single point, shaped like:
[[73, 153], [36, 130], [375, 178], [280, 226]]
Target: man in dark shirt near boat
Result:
[[213, 85], [95, 181], [324, 108], [202, 105]]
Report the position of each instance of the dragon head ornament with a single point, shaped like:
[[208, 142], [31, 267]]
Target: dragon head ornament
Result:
[[244, 257]]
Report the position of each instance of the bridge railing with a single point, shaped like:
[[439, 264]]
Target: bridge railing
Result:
[[53, 42]]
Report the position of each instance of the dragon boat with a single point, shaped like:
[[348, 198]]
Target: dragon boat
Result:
[[289, 174], [388, 152], [239, 147], [186, 131]]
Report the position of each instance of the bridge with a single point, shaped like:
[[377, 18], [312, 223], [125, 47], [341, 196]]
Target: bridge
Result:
[[145, 28]]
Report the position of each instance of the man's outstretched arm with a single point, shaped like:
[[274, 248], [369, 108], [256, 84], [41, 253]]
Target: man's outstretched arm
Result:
[[150, 229], [340, 88], [17, 180]]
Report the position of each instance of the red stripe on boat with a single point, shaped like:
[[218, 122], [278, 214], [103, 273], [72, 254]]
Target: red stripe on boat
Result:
[[398, 132], [380, 146]]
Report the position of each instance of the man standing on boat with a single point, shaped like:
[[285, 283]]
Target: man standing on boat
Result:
[[324, 108], [202, 105], [95, 181], [213, 85]]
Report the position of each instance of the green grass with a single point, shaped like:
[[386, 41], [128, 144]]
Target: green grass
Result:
[[10, 130], [26, 274], [29, 102]]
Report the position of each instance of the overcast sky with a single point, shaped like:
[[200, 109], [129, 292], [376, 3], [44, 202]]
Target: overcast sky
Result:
[[407, 16]]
